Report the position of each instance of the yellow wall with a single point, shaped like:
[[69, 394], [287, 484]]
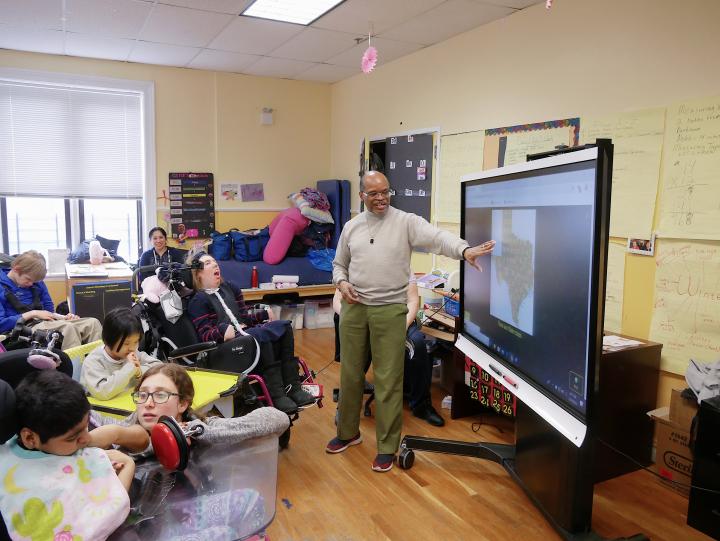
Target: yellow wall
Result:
[[582, 57]]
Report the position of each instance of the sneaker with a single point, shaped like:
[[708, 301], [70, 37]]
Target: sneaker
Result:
[[336, 445], [429, 414], [301, 397], [285, 404], [383, 463]]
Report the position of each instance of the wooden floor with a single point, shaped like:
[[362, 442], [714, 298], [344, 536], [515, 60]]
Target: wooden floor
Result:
[[324, 497]]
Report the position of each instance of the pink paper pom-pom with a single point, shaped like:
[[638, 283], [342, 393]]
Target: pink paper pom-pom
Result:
[[548, 4], [369, 60]]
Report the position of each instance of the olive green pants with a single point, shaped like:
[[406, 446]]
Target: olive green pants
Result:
[[382, 328]]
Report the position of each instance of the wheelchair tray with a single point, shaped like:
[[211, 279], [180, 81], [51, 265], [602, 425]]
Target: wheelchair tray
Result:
[[211, 389], [226, 493]]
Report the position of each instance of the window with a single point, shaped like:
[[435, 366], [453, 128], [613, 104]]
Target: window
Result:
[[76, 160], [36, 224]]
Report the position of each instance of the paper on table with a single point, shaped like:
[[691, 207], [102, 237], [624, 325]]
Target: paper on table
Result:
[[615, 343], [690, 189], [638, 138]]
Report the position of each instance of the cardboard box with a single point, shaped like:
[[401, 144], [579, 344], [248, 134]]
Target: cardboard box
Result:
[[682, 410], [673, 459]]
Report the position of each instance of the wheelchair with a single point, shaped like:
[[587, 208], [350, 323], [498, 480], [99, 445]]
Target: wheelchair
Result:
[[221, 491], [177, 341], [14, 366]]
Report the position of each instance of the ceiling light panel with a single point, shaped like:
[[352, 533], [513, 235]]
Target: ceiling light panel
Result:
[[291, 11]]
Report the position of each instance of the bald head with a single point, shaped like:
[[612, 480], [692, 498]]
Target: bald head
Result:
[[375, 192], [373, 178]]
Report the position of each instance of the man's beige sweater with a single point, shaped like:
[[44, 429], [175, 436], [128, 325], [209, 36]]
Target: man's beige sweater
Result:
[[379, 270]]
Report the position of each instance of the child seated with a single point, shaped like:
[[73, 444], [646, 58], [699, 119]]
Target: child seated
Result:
[[117, 365], [24, 298], [54, 484]]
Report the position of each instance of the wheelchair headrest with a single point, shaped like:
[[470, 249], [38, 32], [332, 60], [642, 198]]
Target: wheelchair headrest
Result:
[[8, 419], [169, 441], [14, 366]]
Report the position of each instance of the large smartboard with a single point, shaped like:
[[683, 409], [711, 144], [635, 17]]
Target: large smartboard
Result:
[[96, 299]]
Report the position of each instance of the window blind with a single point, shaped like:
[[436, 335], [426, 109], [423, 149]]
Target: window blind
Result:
[[66, 141]]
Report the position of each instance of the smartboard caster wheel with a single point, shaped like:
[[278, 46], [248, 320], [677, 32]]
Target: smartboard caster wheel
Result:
[[406, 459]]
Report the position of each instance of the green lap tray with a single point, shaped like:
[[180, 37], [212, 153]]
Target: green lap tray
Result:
[[211, 388]]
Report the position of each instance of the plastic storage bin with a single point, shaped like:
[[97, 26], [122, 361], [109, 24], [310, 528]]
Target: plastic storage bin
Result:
[[318, 314], [452, 308], [294, 313], [227, 492]]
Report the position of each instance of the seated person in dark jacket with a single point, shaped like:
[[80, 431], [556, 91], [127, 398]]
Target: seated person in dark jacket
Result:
[[160, 252], [219, 313], [24, 298]]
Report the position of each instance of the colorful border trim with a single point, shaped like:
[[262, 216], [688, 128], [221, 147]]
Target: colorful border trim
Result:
[[551, 124]]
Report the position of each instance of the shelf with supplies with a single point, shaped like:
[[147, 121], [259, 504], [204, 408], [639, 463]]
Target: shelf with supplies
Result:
[[439, 325]]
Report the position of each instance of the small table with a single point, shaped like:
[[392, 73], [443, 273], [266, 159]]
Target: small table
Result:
[[257, 294]]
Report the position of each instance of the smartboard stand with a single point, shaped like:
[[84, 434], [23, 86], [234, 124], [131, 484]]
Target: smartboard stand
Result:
[[552, 471]]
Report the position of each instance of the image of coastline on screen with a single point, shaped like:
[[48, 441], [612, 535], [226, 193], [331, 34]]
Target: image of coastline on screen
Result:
[[512, 267], [531, 307]]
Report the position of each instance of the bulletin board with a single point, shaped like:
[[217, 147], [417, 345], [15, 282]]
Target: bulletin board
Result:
[[192, 205], [408, 167], [512, 144]]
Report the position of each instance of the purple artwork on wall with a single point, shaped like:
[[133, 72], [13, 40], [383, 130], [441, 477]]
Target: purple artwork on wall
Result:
[[252, 192]]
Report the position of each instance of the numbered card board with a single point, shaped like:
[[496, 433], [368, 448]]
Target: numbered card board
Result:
[[488, 391], [192, 205]]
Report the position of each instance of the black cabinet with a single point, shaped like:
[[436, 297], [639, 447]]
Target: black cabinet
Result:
[[704, 505]]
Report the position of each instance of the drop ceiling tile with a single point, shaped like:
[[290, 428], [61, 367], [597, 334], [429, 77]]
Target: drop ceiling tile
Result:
[[182, 26], [110, 18], [277, 67], [327, 73], [355, 16], [254, 36], [160, 53], [98, 46], [222, 61], [315, 45], [449, 19], [39, 14], [388, 50], [233, 7], [31, 39]]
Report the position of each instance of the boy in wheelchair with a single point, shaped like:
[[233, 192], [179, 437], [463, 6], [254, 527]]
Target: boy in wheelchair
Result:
[[56, 481], [24, 298]]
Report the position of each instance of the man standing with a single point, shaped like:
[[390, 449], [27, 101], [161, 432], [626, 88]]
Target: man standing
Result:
[[371, 271]]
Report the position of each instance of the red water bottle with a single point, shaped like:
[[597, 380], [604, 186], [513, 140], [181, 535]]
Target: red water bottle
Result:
[[254, 278]]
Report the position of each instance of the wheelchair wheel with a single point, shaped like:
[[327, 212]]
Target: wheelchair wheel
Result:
[[406, 459], [284, 440]]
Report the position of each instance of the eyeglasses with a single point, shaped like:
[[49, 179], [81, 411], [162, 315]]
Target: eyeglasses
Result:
[[375, 195], [159, 397]]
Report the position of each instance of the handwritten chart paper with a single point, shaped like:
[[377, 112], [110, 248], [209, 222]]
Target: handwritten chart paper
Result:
[[686, 316], [519, 145], [614, 287], [460, 154], [690, 194], [445, 263], [638, 141]]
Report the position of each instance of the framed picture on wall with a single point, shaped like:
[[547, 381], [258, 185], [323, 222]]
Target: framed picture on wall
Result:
[[641, 246]]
